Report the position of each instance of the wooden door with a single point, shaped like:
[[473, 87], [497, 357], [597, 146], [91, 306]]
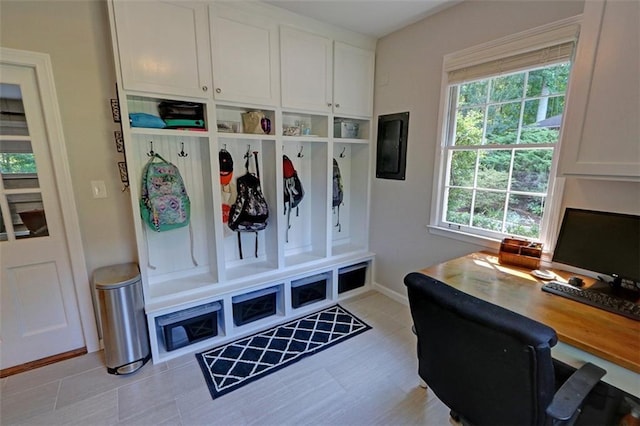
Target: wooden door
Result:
[[245, 56], [39, 312], [306, 70]]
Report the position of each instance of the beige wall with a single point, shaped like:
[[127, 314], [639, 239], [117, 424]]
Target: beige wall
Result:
[[408, 78], [76, 36]]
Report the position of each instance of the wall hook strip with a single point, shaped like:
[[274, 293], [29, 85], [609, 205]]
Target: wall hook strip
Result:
[[300, 153], [151, 153], [344, 148]]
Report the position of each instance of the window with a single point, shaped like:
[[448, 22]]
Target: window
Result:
[[501, 131]]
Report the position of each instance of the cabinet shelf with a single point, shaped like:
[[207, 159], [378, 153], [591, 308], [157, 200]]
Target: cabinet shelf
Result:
[[310, 138], [231, 116], [150, 106], [350, 129], [169, 132], [352, 141], [300, 124], [247, 136]]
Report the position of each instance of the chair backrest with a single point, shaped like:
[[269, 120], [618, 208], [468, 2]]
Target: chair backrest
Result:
[[489, 365]]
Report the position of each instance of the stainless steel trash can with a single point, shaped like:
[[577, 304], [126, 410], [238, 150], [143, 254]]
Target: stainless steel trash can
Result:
[[124, 324]]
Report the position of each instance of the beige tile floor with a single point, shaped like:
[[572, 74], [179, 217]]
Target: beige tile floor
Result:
[[368, 380]]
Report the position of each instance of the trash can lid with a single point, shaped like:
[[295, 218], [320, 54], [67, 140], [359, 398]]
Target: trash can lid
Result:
[[111, 277]]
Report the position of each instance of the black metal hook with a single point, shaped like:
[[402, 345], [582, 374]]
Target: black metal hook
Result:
[[248, 153], [182, 153], [300, 153], [151, 153], [344, 148]]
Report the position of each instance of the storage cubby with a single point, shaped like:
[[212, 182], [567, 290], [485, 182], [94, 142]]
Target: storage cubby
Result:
[[169, 253], [188, 326], [256, 305], [309, 290], [349, 231], [229, 120], [296, 124], [308, 222], [248, 264], [352, 277], [190, 120], [350, 128]]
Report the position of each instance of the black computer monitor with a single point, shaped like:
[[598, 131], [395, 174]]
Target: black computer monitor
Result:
[[601, 242]]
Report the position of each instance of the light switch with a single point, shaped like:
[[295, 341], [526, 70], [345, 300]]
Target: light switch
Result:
[[98, 189]]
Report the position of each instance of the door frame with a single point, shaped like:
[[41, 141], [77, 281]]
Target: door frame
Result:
[[41, 63]]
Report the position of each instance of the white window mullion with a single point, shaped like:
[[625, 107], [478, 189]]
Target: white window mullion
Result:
[[522, 102], [508, 193]]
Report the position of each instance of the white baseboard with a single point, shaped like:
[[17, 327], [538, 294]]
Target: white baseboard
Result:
[[400, 298]]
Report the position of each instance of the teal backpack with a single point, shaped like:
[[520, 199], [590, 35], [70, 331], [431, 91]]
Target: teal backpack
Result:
[[164, 203]]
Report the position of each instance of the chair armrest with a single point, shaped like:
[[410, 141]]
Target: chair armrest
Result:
[[572, 393]]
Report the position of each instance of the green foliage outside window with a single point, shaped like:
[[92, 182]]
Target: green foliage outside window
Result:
[[506, 186], [12, 163]]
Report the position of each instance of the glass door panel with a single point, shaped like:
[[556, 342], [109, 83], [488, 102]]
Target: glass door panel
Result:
[[21, 206]]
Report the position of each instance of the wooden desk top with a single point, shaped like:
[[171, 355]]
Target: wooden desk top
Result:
[[601, 333]]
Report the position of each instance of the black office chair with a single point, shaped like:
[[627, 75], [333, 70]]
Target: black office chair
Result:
[[489, 365]]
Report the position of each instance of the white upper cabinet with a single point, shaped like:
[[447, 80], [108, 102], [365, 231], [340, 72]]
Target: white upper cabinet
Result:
[[306, 70], [353, 80], [245, 56], [318, 74], [164, 47], [602, 131]]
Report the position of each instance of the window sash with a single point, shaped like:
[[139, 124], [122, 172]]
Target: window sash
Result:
[[554, 43]]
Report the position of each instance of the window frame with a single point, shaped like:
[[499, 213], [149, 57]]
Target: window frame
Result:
[[553, 34]]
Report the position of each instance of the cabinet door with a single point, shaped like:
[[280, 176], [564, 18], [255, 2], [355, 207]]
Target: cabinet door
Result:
[[353, 70], [306, 70], [163, 46], [245, 56], [601, 135]]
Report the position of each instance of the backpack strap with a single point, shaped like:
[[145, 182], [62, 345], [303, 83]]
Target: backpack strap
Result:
[[288, 218], [157, 156], [146, 245], [255, 157], [256, 251], [240, 244], [193, 257]]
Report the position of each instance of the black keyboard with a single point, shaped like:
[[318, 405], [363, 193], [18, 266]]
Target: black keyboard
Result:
[[595, 298]]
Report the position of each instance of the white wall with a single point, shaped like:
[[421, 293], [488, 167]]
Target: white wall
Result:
[[76, 36], [408, 78]]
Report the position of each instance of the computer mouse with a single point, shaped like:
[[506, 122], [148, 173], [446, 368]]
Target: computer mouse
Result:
[[576, 281]]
